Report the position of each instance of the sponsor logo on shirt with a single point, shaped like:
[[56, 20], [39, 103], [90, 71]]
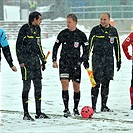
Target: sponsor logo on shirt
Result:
[[86, 43]]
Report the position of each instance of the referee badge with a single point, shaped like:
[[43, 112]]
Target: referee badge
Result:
[[76, 44], [111, 40]]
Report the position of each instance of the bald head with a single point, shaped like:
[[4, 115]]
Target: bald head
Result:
[[105, 19], [106, 13]]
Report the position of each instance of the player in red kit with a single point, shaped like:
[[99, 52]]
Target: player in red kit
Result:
[[127, 42]]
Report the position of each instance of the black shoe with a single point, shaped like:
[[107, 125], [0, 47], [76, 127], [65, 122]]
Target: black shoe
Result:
[[94, 109], [131, 107], [76, 112], [41, 116], [106, 109], [28, 117], [67, 113]]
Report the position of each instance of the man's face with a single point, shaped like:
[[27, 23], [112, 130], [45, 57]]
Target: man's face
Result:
[[38, 21], [71, 24], [104, 20]]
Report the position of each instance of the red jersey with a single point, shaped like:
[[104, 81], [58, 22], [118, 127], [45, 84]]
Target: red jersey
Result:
[[127, 42]]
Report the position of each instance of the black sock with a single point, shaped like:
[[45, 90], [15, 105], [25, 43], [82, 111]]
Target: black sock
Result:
[[65, 97], [76, 99], [25, 102]]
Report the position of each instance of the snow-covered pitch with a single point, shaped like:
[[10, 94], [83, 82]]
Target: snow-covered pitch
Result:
[[11, 111]]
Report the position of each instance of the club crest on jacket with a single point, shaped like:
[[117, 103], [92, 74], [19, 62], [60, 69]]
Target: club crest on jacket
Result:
[[111, 40], [76, 44]]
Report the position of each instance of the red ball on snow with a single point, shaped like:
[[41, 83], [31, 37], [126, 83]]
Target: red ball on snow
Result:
[[87, 112]]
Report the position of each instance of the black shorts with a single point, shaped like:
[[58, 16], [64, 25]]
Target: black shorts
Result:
[[69, 69], [103, 68], [32, 69]]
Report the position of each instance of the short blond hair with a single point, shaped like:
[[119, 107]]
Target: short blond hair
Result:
[[73, 16]]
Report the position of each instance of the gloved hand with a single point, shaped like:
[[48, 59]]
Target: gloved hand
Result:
[[79, 61], [118, 65], [86, 64], [43, 65]]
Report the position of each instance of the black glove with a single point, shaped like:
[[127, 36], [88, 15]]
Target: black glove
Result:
[[86, 64], [118, 65], [43, 65], [79, 61]]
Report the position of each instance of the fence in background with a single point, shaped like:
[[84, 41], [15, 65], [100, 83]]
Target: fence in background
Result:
[[93, 12], [85, 9], [49, 28], [52, 28]]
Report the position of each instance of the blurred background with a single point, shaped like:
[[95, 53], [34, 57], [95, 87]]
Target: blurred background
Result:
[[85, 9], [15, 13]]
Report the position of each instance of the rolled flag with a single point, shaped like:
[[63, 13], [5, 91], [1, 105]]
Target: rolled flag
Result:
[[92, 80], [47, 55]]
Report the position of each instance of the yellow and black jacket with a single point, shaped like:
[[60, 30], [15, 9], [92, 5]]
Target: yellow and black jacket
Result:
[[29, 50], [102, 42], [29, 43]]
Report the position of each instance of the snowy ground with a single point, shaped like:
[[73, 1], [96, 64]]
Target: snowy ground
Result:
[[119, 121]]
